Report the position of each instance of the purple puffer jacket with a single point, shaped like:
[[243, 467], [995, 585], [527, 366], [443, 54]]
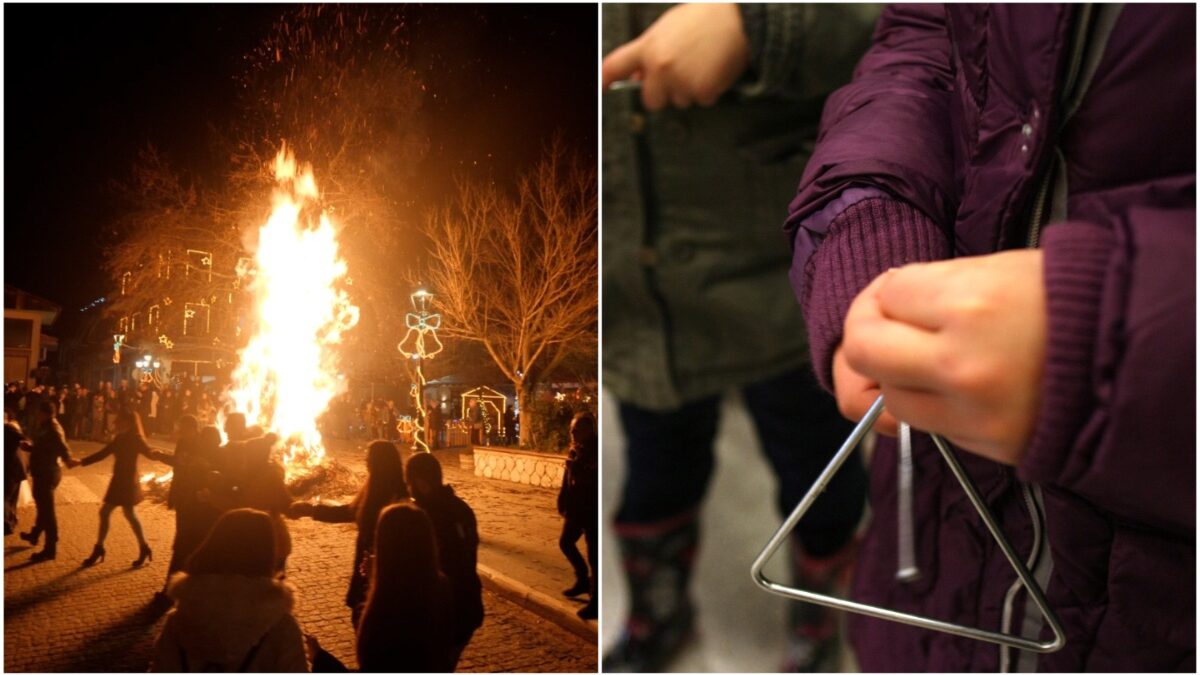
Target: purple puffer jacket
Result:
[[941, 147]]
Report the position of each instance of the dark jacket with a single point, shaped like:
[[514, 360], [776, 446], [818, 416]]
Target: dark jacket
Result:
[[458, 548], [262, 486], [364, 541], [955, 123], [579, 493], [191, 472], [124, 489], [14, 469], [49, 446]]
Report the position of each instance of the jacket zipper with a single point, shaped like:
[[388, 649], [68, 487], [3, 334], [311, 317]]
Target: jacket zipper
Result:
[[1039, 208], [1035, 515], [1074, 66], [1036, 220]]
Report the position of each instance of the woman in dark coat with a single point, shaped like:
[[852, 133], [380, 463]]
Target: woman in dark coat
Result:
[[385, 485], [577, 505], [124, 490], [193, 462], [252, 479]]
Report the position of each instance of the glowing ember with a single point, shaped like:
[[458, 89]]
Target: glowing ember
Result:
[[287, 374], [156, 479]]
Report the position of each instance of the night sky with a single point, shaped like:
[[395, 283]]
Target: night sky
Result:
[[86, 87]]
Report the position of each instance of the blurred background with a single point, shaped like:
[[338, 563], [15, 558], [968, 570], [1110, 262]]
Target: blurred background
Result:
[[739, 627]]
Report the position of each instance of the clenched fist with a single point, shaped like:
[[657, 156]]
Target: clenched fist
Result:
[[955, 347]]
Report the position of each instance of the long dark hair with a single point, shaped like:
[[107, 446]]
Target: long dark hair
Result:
[[403, 597], [584, 440], [385, 484], [241, 542], [208, 442], [406, 558], [133, 420]]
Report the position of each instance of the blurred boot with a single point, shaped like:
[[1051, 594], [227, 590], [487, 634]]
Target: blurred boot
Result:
[[813, 640], [658, 562], [48, 552], [591, 610]]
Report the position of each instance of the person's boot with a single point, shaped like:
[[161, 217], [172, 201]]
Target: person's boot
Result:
[[49, 552], [31, 536], [813, 641], [590, 611], [658, 564], [580, 587]]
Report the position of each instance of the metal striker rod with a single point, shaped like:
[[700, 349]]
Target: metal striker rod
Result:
[[622, 85], [860, 430]]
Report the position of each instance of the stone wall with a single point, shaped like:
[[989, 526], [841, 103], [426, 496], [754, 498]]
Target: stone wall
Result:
[[519, 466]]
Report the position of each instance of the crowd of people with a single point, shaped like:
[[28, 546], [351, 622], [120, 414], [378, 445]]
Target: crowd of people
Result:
[[414, 594], [91, 414]]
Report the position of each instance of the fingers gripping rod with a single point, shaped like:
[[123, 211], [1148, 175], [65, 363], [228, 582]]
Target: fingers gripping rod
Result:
[[780, 536]]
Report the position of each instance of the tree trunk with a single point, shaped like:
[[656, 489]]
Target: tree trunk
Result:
[[525, 420]]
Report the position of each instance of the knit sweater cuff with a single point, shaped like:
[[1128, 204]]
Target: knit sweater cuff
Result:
[[1076, 259], [864, 241]]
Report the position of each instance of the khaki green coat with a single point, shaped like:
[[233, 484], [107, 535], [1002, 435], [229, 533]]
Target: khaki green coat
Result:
[[696, 297]]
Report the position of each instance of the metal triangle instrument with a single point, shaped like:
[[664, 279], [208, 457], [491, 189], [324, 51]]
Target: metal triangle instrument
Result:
[[1035, 592]]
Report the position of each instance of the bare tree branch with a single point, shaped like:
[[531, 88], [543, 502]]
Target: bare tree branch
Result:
[[518, 272]]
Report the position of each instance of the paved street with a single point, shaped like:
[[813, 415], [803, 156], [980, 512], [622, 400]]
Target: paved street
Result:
[[60, 617]]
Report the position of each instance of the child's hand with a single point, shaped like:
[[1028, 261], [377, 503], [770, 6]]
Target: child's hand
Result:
[[692, 54], [856, 393], [957, 347]]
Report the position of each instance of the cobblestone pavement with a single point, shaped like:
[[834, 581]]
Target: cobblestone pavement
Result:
[[61, 617]]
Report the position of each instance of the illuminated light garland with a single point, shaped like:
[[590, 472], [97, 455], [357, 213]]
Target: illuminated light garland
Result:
[[422, 326], [118, 341], [406, 426], [206, 258], [486, 396]]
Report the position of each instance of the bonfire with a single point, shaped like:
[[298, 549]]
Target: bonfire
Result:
[[288, 373]]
